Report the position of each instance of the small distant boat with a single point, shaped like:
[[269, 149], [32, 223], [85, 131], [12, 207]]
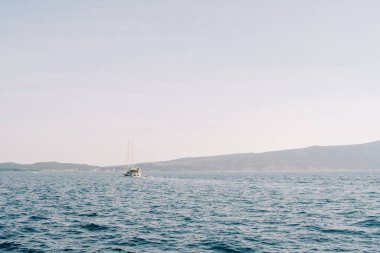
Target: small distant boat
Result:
[[131, 170]]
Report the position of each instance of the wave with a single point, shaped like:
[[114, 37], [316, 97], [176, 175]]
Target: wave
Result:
[[7, 246], [370, 223], [94, 227]]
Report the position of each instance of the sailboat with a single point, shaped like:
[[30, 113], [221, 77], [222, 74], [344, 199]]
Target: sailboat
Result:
[[131, 170]]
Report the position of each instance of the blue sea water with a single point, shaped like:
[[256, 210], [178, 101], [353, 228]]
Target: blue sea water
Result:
[[190, 212]]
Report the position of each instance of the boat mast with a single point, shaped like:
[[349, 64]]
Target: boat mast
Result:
[[127, 157], [132, 161]]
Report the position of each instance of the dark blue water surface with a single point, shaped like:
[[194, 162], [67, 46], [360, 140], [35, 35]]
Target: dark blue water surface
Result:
[[190, 212]]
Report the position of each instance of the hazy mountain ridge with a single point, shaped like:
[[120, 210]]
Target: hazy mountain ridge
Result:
[[47, 166], [345, 157]]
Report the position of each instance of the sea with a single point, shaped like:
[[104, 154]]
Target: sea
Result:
[[190, 212]]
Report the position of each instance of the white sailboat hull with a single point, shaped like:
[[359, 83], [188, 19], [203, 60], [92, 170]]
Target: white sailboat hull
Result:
[[132, 174]]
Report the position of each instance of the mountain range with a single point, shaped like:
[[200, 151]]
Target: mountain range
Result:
[[48, 166], [316, 158]]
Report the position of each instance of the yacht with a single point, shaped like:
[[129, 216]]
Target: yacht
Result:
[[131, 170]]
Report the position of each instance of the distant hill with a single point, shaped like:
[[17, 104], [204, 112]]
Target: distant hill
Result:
[[47, 166], [347, 157], [317, 158]]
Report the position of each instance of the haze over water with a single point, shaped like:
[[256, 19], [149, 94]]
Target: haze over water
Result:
[[190, 212]]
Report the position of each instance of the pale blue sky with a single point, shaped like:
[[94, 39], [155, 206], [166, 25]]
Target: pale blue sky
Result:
[[185, 78]]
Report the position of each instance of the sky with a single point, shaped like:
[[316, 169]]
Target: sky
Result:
[[78, 79]]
